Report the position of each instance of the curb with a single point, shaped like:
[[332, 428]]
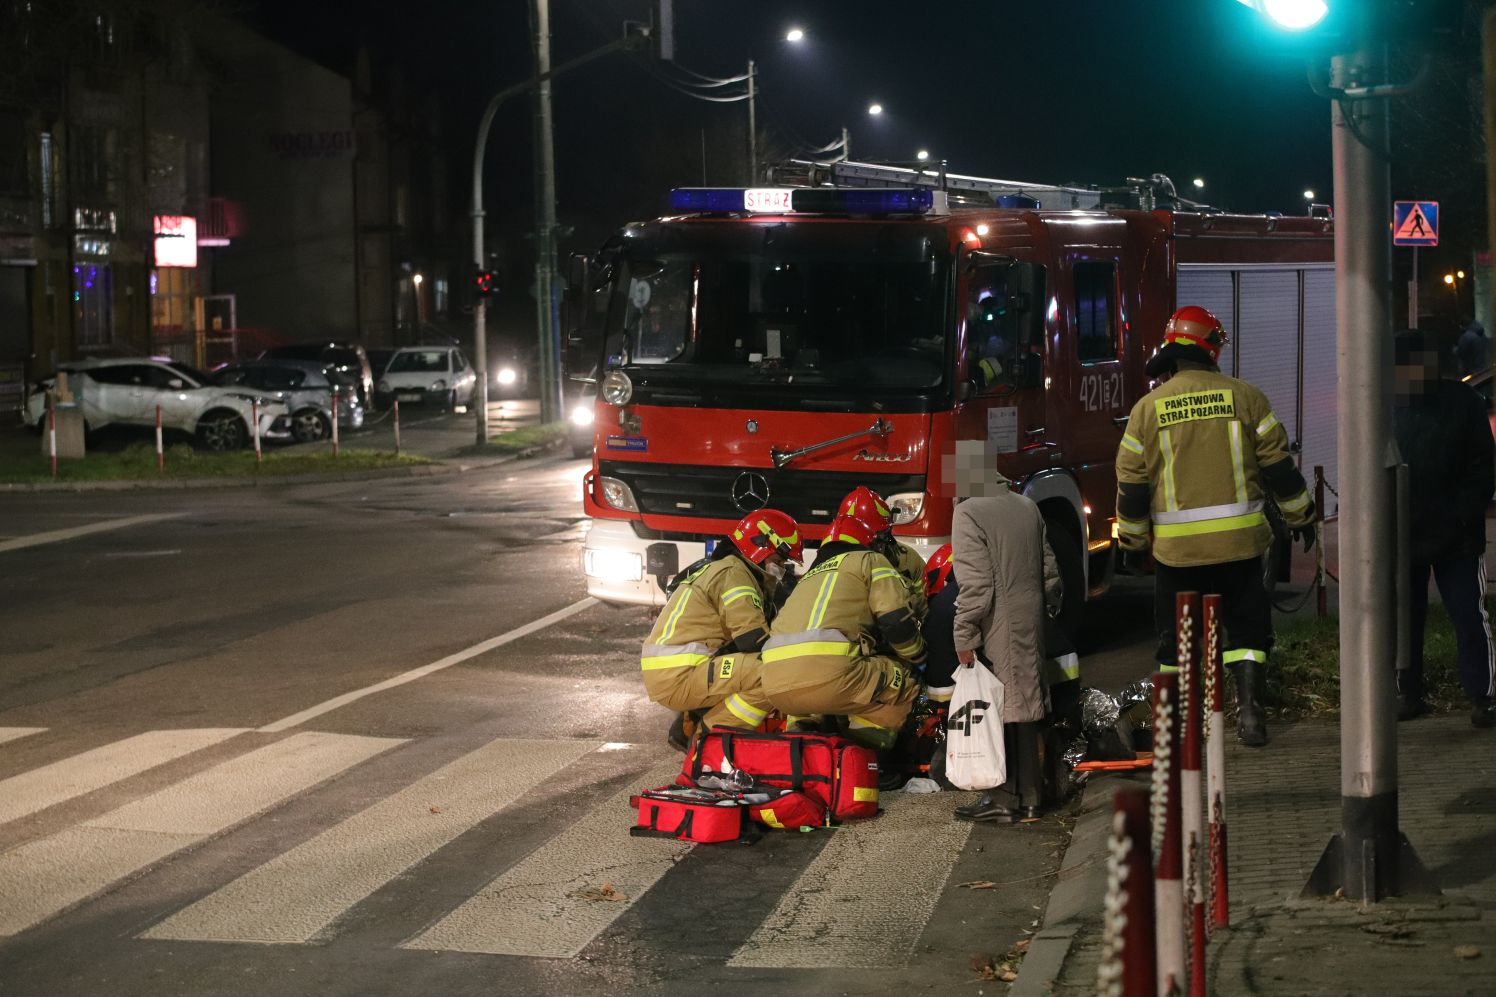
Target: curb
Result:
[[1075, 903]]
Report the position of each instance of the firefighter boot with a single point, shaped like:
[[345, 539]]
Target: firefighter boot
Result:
[[677, 737], [1251, 720]]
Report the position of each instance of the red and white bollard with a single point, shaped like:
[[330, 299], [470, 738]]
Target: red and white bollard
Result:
[[254, 410], [52, 432], [1215, 761], [1127, 957], [1187, 627], [1168, 884], [397, 427], [160, 450], [334, 422]]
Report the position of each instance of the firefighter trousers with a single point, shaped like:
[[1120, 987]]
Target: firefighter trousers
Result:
[[1246, 611], [729, 687], [874, 692]]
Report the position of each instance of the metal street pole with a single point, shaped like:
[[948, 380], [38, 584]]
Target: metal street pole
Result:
[[752, 125], [1369, 859], [480, 334], [545, 221], [1488, 49]]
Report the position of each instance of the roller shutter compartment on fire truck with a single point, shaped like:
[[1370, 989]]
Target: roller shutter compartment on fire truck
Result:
[[1280, 318]]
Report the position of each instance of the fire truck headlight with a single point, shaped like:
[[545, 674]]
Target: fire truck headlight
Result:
[[613, 565], [617, 389], [617, 494], [581, 415], [906, 507]]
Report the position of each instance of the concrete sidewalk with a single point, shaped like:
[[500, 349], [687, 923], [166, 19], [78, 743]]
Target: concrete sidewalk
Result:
[[1283, 804]]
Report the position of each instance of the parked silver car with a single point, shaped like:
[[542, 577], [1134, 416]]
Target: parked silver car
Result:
[[130, 391], [305, 387]]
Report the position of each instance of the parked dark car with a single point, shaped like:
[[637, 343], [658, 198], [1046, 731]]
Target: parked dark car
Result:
[[305, 386], [348, 359], [379, 359]]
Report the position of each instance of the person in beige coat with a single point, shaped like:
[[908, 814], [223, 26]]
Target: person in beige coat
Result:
[[1010, 583]]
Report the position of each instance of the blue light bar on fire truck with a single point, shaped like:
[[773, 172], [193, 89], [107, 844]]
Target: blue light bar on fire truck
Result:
[[804, 200]]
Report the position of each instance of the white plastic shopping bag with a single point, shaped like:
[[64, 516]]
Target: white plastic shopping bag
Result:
[[974, 753]]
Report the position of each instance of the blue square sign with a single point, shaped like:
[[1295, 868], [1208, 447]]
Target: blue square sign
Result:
[[1415, 223]]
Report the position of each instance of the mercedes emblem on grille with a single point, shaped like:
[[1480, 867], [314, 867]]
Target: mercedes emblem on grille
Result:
[[750, 491]]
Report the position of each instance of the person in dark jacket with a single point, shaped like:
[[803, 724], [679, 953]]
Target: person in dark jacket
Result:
[[1445, 439]]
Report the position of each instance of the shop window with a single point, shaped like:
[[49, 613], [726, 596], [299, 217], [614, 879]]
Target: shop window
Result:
[[173, 304], [93, 304], [1096, 311]]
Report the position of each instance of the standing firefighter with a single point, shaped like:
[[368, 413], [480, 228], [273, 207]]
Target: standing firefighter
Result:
[[1192, 467], [702, 652], [825, 654]]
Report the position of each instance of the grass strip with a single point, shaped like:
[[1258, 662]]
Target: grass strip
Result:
[[523, 440], [137, 462], [1304, 679]]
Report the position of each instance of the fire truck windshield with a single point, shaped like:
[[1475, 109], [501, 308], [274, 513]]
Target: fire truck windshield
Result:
[[829, 308]]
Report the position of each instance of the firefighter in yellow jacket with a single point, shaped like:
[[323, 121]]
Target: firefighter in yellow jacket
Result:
[[822, 654], [1201, 452], [867, 505], [703, 651]]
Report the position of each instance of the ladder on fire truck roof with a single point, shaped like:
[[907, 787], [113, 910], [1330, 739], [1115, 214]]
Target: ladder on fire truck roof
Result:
[[845, 173]]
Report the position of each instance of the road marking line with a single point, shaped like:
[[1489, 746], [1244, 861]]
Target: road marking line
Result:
[[46, 876], [889, 871], [57, 536], [533, 910], [298, 894], [16, 733], [297, 719], [50, 785]]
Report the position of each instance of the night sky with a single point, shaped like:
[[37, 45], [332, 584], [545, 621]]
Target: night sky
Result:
[[1086, 91]]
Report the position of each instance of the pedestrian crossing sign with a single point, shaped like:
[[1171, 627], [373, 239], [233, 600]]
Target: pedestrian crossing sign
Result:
[[1415, 223]]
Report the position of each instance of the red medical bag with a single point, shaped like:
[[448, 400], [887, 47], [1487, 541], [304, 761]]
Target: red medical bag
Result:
[[843, 776]]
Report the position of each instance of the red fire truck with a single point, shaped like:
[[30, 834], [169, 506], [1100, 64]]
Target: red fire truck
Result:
[[780, 346]]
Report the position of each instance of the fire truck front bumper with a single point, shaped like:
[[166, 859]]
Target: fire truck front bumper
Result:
[[626, 569]]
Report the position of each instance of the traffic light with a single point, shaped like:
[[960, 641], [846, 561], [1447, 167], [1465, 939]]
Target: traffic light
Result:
[[1336, 23], [486, 284]]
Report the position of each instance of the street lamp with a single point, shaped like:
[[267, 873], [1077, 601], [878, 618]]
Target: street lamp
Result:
[[1459, 274], [794, 35], [416, 280], [1308, 194], [922, 155], [1199, 183], [874, 109]]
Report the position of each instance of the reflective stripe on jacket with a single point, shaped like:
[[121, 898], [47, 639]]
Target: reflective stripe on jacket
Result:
[[1192, 469], [844, 600]]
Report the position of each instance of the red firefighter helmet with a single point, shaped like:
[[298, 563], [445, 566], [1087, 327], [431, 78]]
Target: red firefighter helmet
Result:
[[1196, 326], [849, 529], [867, 505], [765, 532], [937, 570]]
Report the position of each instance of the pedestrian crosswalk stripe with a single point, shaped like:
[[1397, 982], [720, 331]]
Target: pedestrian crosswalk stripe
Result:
[[865, 899], [43, 877], [52, 784], [16, 733], [535, 908], [297, 895]]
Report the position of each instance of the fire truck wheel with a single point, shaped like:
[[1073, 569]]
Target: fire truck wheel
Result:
[[1067, 551]]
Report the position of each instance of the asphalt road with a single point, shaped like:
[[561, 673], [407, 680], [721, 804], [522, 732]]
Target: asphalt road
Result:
[[371, 738]]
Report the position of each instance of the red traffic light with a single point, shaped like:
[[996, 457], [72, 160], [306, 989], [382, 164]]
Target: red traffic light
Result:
[[485, 283]]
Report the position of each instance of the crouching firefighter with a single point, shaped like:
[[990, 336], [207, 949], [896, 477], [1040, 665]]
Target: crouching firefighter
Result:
[[702, 654], [1199, 456], [826, 651], [867, 505]]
